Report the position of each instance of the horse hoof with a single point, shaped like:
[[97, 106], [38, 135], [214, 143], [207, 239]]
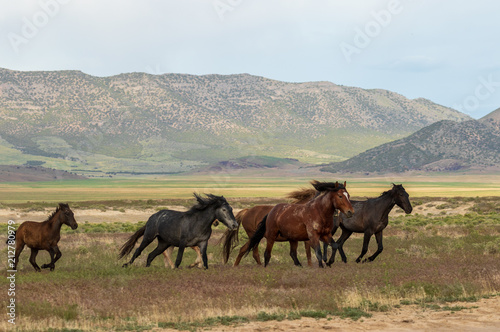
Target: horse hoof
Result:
[[125, 265], [45, 266]]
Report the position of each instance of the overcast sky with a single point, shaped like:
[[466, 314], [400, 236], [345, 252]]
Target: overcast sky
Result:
[[447, 51]]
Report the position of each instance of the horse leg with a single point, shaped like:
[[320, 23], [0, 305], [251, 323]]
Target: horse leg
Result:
[[325, 252], [162, 246], [203, 248], [293, 252], [267, 253], [340, 246], [366, 241], [378, 237], [166, 257], [317, 248], [314, 241], [55, 254], [307, 247], [145, 242], [180, 252], [19, 249], [325, 246], [256, 255], [34, 252], [241, 253], [198, 260]]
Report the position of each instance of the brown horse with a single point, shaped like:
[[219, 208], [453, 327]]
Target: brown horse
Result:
[[250, 219], [44, 236], [300, 222]]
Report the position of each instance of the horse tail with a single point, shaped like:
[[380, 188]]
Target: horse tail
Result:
[[258, 235], [129, 245], [7, 242], [230, 238]]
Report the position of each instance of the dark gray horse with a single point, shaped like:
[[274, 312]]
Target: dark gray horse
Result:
[[370, 217], [182, 229]]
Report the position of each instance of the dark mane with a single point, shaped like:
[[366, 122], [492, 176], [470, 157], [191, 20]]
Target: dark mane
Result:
[[205, 202], [60, 207], [391, 191], [326, 186]]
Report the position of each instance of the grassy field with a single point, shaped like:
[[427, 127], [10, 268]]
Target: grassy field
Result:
[[430, 261], [431, 265], [237, 186]]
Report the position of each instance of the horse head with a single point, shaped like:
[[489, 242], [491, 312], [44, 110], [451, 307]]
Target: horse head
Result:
[[401, 198], [340, 197], [223, 211], [67, 216]]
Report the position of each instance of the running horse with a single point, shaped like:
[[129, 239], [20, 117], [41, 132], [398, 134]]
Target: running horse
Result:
[[44, 236], [312, 221], [181, 229], [250, 219], [371, 217]]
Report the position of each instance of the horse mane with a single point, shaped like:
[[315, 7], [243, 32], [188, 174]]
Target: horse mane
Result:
[[326, 186], [392, 190], [205, 202], [59, 207], [301, 195]]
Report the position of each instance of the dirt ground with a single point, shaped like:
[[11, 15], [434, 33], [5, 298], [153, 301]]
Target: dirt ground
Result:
[[483, 315]]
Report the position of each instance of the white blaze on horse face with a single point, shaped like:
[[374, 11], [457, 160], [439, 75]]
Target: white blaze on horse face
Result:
[[346, 196]]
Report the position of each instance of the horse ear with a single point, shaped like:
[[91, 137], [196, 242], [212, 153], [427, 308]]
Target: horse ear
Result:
[[345, 183]]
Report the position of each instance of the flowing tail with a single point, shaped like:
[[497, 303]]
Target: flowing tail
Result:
[[7, 242], [258, 235], [129, 245], [230, 238]]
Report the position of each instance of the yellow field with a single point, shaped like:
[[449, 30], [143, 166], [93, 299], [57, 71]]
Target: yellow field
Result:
[[238, 186]]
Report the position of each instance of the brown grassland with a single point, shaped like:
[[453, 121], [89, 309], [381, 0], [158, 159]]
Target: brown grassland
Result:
[[440, 268]]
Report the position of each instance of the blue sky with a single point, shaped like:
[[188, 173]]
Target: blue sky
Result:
[[446, 51]]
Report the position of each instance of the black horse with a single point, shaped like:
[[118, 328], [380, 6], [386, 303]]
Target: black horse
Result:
[[182, 229], [370, 217]]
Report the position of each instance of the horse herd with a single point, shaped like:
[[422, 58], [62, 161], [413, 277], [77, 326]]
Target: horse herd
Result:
[[313, 216]]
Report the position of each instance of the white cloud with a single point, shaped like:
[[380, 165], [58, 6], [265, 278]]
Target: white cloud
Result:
[[426, 46]]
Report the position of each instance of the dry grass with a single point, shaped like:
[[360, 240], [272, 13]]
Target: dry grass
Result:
[[90, 291]]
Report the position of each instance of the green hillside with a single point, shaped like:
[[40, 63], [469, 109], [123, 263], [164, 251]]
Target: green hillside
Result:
[[171, 123]]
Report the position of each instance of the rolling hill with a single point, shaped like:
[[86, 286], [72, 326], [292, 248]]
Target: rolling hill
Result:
[[172, 123], [443, 146]]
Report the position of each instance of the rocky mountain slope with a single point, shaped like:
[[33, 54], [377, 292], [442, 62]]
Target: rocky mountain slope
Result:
[[169, 123], [443, 146]]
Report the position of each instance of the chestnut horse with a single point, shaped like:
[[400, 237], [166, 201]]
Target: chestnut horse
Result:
[[371, 217], [44, 236], [250, 219], [312, 221]]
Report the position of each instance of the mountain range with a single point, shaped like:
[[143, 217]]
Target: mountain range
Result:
[[442, 146], [142, 123]]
